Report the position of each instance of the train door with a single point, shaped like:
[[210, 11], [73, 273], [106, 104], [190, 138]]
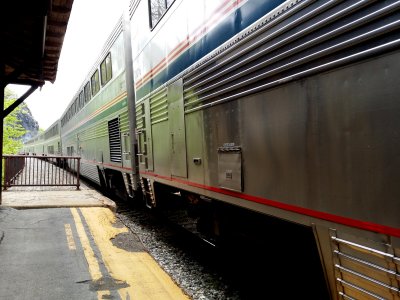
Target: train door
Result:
[[177, 129]]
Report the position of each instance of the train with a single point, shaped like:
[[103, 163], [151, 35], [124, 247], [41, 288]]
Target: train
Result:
[[280, 117]]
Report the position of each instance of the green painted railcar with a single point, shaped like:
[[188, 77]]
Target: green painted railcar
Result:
[[95, 124], [46, 143]]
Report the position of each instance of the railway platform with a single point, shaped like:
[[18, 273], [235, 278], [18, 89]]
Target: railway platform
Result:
[[68, 244]]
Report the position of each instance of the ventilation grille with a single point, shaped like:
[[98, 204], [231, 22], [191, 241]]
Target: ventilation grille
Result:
[[133, 4], [365, 271], [140, 116], [114, 136], [324, 36], [159, 106]]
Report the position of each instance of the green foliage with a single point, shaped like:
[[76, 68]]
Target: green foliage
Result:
[[12, 127]]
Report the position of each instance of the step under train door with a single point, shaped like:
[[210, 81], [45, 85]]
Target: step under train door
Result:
[[127, 164]]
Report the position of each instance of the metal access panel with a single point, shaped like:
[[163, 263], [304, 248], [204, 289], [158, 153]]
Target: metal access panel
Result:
[[176, 117], [126, 151], [230, 168]]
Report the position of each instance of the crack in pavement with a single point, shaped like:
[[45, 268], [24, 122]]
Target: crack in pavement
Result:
[[1, 236]]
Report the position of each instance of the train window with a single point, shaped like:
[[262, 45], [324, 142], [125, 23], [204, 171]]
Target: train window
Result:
[[157, 9], [106, 70], [76, 105], [94, 80], [50, 149], [87, 92], [70, 150], [81, 100]]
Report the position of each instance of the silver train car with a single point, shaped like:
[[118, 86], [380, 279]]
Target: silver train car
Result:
[[280, 114]]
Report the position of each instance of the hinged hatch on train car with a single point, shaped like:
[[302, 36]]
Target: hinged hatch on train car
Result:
[[177, 129]]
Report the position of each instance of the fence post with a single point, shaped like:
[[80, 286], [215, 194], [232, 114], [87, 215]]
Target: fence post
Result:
[[5, 177], [77, 173], [3, 84]]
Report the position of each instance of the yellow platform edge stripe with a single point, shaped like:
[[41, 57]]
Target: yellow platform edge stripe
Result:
[[145, 278]]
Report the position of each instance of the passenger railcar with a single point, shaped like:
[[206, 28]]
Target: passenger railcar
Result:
[[284, 108], [95, 125], [47, 142]]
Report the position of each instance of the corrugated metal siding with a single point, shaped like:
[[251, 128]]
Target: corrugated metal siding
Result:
[[90, 171], [124, 121], [159, 106]]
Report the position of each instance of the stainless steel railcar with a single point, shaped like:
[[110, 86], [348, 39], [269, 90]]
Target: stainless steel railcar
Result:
[[288, 109]]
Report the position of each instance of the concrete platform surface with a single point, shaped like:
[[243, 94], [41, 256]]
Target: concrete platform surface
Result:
[[76, 253], [55, 198]]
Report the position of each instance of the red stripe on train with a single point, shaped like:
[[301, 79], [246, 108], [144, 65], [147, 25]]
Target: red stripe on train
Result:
[[288, 207]]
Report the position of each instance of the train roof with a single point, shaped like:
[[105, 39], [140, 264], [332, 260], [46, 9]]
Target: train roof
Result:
[[106, 48]]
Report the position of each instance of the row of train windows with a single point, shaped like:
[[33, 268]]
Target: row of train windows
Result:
[[92, 87], [157, 10], [51, 132]]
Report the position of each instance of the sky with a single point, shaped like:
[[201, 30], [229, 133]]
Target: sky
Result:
[[90, 23]]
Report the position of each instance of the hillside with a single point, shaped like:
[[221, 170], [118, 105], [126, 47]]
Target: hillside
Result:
[[24, 115], [28, 122]]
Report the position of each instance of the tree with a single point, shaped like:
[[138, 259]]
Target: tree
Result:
[[12, 128]]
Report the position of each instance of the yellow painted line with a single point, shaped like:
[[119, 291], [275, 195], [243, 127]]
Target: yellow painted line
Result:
[[70, 237], [93, 264], [145, 278]]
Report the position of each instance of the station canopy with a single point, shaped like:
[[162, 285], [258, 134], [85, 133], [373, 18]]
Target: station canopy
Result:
[[31, 38]]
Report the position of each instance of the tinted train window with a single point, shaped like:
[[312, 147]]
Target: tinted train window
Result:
[[157, 10], [50, 149], [95, 82], [70, 151], [76, 106], [87, 92], [106, 70], [81, 100]]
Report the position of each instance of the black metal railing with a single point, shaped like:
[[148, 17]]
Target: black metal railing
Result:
[[36, 170]]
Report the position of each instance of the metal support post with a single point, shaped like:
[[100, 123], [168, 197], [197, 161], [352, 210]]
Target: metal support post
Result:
[[2, 87]]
